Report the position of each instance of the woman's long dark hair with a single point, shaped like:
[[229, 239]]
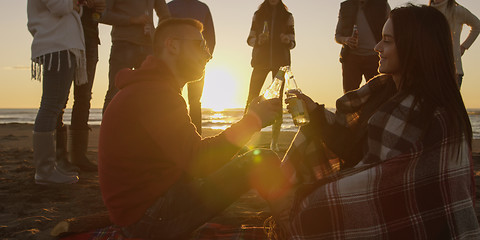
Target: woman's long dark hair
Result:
[[425, 51], [266, 7]]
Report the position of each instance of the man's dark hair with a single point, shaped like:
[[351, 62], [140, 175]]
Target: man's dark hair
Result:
[[169, 27]]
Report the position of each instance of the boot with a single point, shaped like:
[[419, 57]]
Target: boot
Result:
[[62, 162], [78, 150], [46, 171]]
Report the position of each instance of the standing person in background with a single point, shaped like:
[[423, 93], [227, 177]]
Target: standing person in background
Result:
[[199, 11], [357, 55], [132, 30], [272, 36], [82, 94], [457, 16], [58, 58]]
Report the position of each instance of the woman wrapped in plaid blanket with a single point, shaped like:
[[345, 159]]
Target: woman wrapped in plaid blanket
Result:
[[394, 161]]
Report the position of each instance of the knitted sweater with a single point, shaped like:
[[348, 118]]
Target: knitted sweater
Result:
[[55, 26], [119, 12]]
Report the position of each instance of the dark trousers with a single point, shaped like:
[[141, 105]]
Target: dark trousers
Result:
[[83, 94], [123, 55], [354, 67], [190, 203], [195, 90]]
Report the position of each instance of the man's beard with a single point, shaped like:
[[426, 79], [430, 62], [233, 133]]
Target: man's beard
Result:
[[190, 70]]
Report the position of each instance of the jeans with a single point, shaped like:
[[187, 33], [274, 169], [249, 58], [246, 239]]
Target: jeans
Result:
[[190, 203], [354, 67], [195, 90], [123, 55], [83, 94], [57, 79]]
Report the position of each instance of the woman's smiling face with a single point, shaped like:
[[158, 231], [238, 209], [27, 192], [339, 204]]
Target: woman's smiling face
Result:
[[387, 51]]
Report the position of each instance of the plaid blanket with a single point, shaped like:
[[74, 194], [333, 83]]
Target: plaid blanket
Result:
[[208, 231], [403, 188]]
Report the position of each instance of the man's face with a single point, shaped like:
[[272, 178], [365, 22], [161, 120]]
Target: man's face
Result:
[[193, 55]]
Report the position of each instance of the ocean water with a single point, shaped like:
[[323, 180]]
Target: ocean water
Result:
[[211, 119]]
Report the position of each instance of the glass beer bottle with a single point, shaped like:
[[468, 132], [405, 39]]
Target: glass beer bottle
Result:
[[273, 91], [297, 106], [265, 29]]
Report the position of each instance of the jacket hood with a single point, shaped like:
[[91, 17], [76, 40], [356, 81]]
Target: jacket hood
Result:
[[152, 69]]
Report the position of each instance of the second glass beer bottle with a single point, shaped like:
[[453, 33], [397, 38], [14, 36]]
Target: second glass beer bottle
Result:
[[297, 106]]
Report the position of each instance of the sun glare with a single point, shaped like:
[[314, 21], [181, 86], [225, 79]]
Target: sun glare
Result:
[[221, 89]]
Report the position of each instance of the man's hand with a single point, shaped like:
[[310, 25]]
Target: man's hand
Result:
[[265, 110], [352, 42]]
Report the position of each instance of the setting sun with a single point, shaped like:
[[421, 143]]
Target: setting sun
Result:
[[221, 89]]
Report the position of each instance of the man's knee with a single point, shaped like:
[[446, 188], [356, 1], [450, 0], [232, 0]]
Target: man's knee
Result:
[[267, 175]]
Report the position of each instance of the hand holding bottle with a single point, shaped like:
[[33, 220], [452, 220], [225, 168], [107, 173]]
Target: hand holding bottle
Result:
[[296, 106], [262, 38], [265, 110], [265, 35], [309, 103], [352, 41]]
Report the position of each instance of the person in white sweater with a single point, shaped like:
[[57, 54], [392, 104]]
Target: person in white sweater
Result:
[[457, 16], [58, 58]]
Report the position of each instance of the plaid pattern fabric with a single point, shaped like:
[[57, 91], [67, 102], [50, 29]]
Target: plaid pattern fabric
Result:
[[224, 232], [208, 231], [402, 189]]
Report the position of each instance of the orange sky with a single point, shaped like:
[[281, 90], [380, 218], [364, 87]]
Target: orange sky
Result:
[[314, 60]]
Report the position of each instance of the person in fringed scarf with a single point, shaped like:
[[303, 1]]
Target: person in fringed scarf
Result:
[[58, 59], [394, 160]]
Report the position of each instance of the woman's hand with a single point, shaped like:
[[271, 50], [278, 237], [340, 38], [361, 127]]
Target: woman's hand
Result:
[[284, 38], [310, 104], [262, 38]]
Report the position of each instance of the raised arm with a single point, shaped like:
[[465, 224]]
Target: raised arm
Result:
[[474, 23]]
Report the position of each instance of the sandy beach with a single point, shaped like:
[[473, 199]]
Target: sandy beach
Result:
[[30, 211]]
